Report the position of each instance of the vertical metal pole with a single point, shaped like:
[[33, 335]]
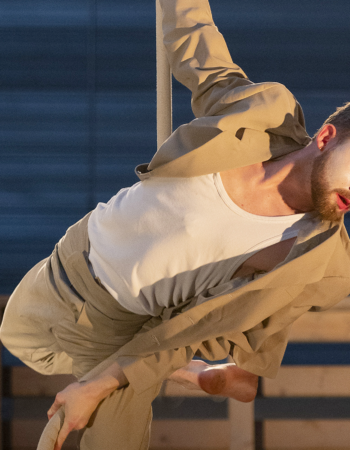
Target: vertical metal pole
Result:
[[92, 114], [164, 95]]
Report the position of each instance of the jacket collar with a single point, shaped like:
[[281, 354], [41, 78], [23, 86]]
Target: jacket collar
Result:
[[183, 156]]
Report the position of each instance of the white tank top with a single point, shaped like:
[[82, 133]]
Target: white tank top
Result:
[[165, 240]]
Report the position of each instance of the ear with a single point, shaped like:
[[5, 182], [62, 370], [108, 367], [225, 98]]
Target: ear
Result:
[[325, 135]]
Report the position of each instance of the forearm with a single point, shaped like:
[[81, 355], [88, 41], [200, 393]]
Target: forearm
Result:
[[107, 381], [132, 365]]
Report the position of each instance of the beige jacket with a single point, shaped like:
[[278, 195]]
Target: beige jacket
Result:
[[237, 123]]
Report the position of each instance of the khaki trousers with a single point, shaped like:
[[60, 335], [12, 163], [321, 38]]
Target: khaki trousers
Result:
[[60, 320]]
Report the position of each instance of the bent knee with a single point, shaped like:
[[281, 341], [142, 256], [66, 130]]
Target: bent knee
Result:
[[6, 335]]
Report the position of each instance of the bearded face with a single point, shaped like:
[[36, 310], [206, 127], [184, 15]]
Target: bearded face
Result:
[[330, 203]]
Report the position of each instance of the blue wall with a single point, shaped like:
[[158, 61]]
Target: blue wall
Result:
[[78, 99]]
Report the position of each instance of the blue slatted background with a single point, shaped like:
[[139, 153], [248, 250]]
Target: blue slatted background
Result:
[[78, 99]]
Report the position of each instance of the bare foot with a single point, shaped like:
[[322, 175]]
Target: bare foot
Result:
[[226, 380], [188, 376]]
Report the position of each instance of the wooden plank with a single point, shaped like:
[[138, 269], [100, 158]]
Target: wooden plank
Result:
[[241, 418], [25, 434], [302, 408], [190, 408], [3, 301], [190, 434], [311, 434], [22, 408], [328, 326], [301, 381], [25, 382]]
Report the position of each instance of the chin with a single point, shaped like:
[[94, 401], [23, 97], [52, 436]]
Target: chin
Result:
[[332, 214], [327, 209]]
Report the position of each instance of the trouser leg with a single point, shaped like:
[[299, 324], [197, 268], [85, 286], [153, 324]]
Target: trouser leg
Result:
[[49, 326], [31, 332], [121, 422], [26, 328]]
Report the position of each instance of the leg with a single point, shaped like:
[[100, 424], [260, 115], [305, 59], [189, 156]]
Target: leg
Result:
[[123, 419], [121, 422], [26, 328], [226, 380], [50, 328]]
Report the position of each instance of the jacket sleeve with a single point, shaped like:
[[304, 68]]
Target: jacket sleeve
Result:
[[267, 360], [157, 366], [198, 54], [147, 366]]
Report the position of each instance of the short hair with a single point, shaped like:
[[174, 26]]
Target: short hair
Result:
[[341, 120]]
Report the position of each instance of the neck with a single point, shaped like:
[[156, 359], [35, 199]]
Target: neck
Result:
[[291, 177], [274, 188]]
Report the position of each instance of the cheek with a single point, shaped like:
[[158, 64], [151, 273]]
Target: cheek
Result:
[[338, 174]]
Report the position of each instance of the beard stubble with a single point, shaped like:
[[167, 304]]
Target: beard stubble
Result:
[[321, 193]]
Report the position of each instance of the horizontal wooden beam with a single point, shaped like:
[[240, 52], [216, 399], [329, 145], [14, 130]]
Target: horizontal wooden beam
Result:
[[309, 381], [24, 434], [190, 408], [302, 408], [163, 408], [190, 435], [25, 382], [307, 435]]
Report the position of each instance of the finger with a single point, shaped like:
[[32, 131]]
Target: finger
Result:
[[62, 435], [54, 408]]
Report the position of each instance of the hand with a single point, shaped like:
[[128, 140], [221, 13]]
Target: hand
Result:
[[79, 401]]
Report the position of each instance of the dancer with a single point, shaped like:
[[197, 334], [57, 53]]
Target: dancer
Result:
[[234, 231]]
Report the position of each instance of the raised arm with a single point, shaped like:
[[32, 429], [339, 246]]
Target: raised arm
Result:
[[198, 54]]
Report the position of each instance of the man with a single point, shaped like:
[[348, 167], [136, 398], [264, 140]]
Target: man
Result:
[[234, 231]]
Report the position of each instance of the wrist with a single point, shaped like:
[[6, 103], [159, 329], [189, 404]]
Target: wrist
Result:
[[100, 388], [106, 382]]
